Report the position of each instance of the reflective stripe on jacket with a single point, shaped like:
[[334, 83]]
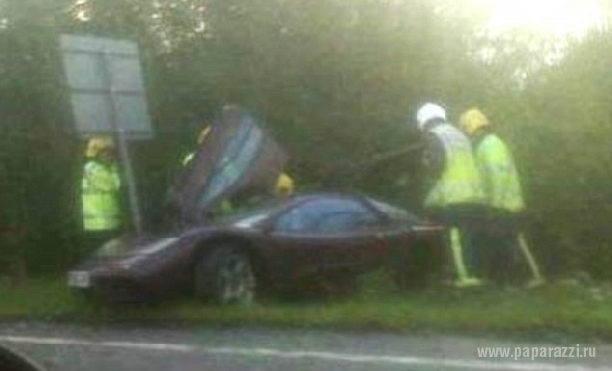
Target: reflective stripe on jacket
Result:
[[460, 180], [100, 188], [499, 175]]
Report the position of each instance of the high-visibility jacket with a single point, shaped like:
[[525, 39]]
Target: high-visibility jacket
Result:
[[499, 176], [459, 182], [100, 191]]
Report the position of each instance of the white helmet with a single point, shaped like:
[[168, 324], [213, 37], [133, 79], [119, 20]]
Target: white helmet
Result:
[[429, 111]]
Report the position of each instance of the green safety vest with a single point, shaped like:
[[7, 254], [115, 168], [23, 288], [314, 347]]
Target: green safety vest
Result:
[[460, 180], [100, 188], [499, 175]]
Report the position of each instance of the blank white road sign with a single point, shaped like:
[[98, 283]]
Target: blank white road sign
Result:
[[106, 86]]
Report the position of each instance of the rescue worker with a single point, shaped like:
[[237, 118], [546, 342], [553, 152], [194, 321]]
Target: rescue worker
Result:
[[224, 207], [503, 196], [201, 138], [455, 195], [100, 192]]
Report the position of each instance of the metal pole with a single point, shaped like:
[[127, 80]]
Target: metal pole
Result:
[[123, 150], [130, 180]]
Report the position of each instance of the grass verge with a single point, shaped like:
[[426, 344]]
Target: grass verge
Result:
[[557, 308]]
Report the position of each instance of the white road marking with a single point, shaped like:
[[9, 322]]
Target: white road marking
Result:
[[328, 356]]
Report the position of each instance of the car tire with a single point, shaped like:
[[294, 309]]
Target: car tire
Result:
[[226, 276]]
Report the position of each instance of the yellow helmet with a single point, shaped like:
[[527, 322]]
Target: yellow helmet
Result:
[[284, 185], [472, 120], [98, 144]]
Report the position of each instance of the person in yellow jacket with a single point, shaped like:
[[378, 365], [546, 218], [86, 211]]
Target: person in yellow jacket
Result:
[[503, 196], [201, 138], [100, 188], [455, 195]]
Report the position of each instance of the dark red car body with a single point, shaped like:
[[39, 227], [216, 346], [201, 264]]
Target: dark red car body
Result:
[[306, 237], [280, 258]]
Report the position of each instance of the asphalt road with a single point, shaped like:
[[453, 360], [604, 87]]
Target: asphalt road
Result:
[[132, 348]]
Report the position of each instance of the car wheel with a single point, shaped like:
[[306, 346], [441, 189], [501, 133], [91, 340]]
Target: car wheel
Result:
[[226, 276]]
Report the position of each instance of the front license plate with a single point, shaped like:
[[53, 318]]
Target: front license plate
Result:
[[79, 279]]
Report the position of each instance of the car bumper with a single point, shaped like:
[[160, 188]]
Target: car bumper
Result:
[[107, 286]]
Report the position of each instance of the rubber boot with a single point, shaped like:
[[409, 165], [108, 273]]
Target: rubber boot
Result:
[[463, 278], [537, 279]]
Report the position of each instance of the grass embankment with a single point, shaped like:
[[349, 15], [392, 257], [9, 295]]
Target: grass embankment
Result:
[[559, 308]]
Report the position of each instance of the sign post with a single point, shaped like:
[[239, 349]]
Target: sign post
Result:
[[108, 97]]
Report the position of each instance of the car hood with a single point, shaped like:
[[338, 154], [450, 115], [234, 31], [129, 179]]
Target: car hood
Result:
[[131, 244], [238, 155]]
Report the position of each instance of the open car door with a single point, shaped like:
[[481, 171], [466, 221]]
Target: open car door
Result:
[[238, 156]]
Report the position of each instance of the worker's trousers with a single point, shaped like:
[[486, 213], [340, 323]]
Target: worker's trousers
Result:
[[464, 239], [502, 253]]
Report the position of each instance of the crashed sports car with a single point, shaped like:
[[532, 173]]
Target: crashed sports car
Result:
[[281, 243]]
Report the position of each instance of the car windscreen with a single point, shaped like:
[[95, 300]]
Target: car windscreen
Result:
[[326, 216]]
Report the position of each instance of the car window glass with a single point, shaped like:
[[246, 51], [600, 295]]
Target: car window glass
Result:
[[239, 153], [344, 222], [325, 216]]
